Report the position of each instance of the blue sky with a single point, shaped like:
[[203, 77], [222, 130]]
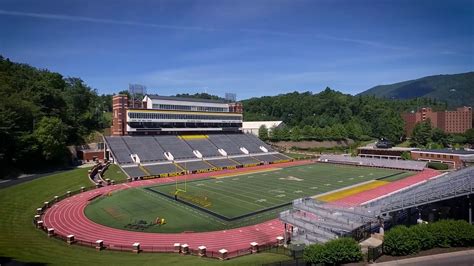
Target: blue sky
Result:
[[252, 48]]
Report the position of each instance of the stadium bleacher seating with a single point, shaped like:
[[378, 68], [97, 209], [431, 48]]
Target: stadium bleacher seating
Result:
[[243, 160], [281, 156], [177, 147], [134, 171], [204, 146], [258, 141], [147, 148], [364, 161], [221, 141], [243, 141], [222, 162], [195, 165], [119, 149], [269, 158], [158, 169], [151, 152]]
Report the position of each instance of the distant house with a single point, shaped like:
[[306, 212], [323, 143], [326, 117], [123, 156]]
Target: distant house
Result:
[[455, 158], [254, 126]]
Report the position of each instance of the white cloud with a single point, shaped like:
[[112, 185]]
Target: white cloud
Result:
[[197, 28]]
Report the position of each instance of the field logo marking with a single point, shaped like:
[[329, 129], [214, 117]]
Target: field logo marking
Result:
[[276, 191], [280, 196], [291, 178], [261, 200]]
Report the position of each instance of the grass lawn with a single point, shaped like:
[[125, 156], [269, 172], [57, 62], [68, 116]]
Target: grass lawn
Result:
[[114, 172], [20, 241], [230, 196]]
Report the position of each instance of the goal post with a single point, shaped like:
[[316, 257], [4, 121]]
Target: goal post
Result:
[[180, 186]]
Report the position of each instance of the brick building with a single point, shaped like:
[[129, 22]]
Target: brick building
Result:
[[454, 158], [169, 115], [457, 121]]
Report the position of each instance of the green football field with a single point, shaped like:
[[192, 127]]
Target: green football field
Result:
[[228, 201]]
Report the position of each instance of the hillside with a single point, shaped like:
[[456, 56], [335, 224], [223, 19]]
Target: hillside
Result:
[[456, 90], [332, 115], [42, 112]]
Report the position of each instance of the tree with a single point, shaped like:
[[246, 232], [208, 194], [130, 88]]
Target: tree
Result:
[[421, 133], [338, 132], [263, 132], [469, 135], [295, 134], [50, 137], [439, 137], [35, 102], [406, 155], [354, 130], [307, 132]]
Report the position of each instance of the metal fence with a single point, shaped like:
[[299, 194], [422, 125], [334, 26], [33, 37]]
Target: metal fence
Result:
[[373, 253]]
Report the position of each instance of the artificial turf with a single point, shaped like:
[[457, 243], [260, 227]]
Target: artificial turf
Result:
[[21, 242], [231, 197]]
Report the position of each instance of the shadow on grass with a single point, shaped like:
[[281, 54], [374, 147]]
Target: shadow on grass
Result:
[[7, 261]]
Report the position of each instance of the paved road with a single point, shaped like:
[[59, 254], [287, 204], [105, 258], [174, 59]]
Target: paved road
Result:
[[461, 258]]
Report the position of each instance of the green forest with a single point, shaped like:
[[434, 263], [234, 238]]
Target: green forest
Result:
[[41, 113], [332, 115]]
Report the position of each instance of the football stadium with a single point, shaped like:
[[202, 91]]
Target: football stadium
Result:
[[260, 133], [180, 176]]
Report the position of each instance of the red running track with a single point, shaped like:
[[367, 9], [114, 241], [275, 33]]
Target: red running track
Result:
[[67, 218], [364, 196]]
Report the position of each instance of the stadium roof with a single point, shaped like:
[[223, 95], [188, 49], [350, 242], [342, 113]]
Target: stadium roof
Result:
[[184, 99], [449, 151], [387, 149], [258, 124]]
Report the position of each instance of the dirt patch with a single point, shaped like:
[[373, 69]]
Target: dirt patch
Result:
[[116, 214], [312, 144]]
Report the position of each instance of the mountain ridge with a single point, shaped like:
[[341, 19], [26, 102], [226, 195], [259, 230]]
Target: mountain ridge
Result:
[[455, 89]]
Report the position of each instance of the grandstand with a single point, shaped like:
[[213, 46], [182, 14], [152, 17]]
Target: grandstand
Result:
[[374, 162], [175, 146], [119, 150], [268, 158], [454, 184], [223, 163], [195, 166], [192, 153], [170, 135], [225, 143], [243, 160], [203, 145], [160, 169], [312, 221], [133, 171], [147, 147]]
